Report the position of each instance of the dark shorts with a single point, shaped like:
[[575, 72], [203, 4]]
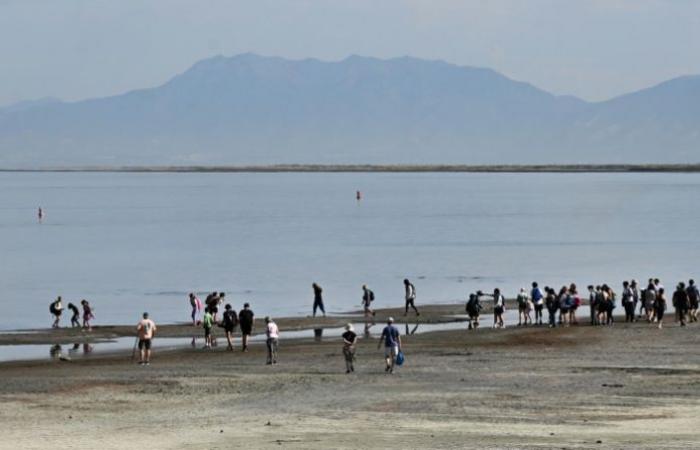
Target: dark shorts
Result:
[[144, 343], [214, 309], [230, 328], [246, 328], [498, 310], [207, 331]]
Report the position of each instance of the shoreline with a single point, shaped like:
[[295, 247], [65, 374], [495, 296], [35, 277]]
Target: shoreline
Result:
[[379, 168]]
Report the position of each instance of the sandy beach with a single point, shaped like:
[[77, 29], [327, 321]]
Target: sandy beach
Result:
[[627, 386]]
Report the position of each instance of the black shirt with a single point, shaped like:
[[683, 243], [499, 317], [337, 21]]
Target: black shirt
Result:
[[230, 318], [350, 336], [74, 309], [246, 317]]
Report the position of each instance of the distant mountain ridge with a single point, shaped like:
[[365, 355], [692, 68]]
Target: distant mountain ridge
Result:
[[250, 109]]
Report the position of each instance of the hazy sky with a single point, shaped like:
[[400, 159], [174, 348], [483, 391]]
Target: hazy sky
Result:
[[595, 49]]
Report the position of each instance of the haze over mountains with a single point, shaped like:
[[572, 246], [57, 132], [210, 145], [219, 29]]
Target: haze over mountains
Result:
[[250, 109]]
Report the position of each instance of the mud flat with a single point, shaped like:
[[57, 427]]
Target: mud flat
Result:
[[627, 386]]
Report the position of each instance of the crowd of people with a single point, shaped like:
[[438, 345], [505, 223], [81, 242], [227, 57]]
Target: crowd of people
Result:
[[649, 304]]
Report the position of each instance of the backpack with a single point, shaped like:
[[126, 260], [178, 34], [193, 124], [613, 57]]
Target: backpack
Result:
[[371, 296], [522, 300], [52, 307]]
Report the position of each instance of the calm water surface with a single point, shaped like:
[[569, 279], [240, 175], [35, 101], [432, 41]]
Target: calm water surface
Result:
[[135, 242]]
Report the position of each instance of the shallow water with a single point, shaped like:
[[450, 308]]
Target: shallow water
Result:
[[135, 242]]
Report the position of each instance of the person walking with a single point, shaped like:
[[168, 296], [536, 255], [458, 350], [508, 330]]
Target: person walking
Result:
[[473, 309], [229, 322], [349, 341], [207, 324], [649, 299], [392, 344], [145, 331], [499, 307], [410, 295], [272, 333], [318, 299], [681, 303], [523, 301], [87, 315], [246, 319], [56, 309], [75, 318], [538, 300], [367, 299]]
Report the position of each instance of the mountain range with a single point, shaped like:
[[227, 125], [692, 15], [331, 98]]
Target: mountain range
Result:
[[250, 109]]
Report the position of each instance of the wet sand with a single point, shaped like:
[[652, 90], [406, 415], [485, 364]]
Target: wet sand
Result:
[[627, 386]]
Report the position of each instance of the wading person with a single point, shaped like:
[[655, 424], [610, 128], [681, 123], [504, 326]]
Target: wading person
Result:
[[318, 299], [367, 299], [56, 308], [87, 315], [207, 324], [145, 330], [392, 344], [273, 334], [75, 318], [410, 295], [538, 300], [229, 322], [246, 318], [523, 301], [349, 341], [473, 309]]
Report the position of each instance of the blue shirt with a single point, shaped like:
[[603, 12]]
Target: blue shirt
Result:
[[391, 336]]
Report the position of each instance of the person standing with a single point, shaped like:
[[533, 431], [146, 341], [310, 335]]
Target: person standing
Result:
[[40, 214], [410, 297], [538, 300], [473, 309], [196, 305], [552, 304], [367, 299], [523, 309], [56, 309], [349, 341], [660, 306], [392, 344], [592, 304], [273, 334], [75, 318], [146, 330], [246, 319], [628, 301], [230, 320], [318, 299], [87, 315], [207, 324], [649, 299], [680, 302], [693, 301]]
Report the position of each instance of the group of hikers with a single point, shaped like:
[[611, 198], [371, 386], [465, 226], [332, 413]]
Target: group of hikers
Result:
[[602, 301], [56, 310], [562, 305]]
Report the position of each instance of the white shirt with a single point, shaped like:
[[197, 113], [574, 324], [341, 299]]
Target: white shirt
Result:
[[272, 331]]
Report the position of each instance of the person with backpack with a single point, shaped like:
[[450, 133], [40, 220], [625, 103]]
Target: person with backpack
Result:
[[574, 301], [473, 309], [552, 305], [564, 302], [75, 318], [56, 308], [499, 307], [538, 300], [523, 300], [367, 299], [207, 324], [693, 301], [628, 301], [229, 322], [410, 296], [392, 344], [318, 299], [246, 320]]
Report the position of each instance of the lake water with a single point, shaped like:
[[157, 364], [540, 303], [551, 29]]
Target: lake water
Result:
[[136, 242]]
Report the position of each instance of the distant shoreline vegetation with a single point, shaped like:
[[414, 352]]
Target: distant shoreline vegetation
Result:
[[397, 168]]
